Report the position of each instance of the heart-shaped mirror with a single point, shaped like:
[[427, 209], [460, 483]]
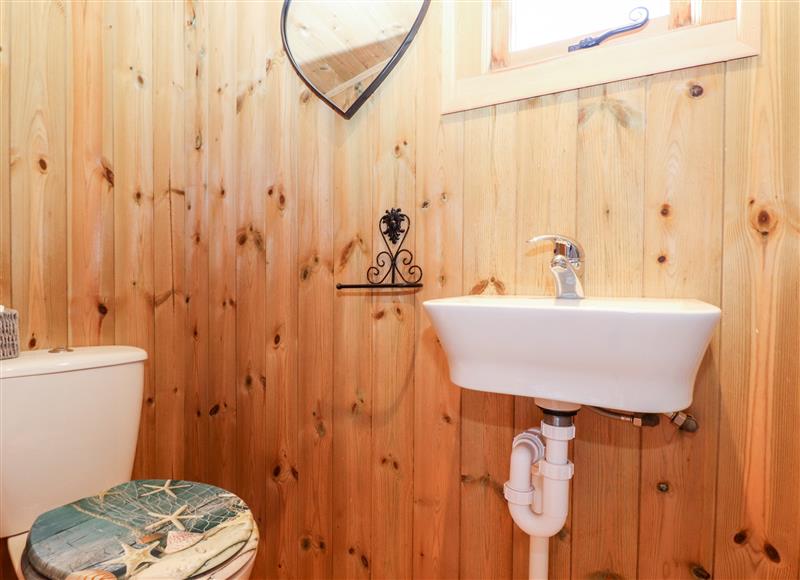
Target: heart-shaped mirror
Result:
[[344, 49]]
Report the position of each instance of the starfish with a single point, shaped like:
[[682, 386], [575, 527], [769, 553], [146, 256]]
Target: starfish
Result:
[[132, 557], [173, 518], [166, 488]]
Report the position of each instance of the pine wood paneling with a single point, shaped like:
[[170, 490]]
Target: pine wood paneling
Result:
[[352, 347], [5, 126], [36, 154], [168, 236], [198, 410], [315, 331], [393, 341], [198, 201], [222, 193], [439, 239], [683, 259], [282, 314], [488, 267], [91, 177], [610, 181], [133, 202], [546, 203], [759, 447], [252, 102]]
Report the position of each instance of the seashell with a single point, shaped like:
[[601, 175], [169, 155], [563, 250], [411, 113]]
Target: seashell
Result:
[[148, 538], [95, 574], [177, 541]]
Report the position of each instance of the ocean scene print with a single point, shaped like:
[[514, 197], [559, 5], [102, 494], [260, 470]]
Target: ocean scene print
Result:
[[144, 529]]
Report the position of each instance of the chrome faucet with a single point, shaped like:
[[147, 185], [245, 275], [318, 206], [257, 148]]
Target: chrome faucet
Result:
[[566, 265]]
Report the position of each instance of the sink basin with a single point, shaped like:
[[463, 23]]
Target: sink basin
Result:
[[630, 354]]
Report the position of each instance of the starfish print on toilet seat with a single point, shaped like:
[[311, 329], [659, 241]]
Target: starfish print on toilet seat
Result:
[[132, 557], [166, 488], [173, 518]]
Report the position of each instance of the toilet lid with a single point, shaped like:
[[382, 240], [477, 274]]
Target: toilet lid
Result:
[[150, 528]]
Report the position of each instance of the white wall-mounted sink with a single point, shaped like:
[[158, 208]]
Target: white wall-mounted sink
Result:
[[630, 354]]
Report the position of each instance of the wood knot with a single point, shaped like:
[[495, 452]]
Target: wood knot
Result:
[[665, 210], [378, 314], [305, 543], [32, 342], [699, 572], [771, 553], [140, 80], [499, 286], [42, 164], [276, 472], [605, 575], [740, 537], [304, 96], [480, 287], [241, 239], [277, 339], [108, 174], [248, 381], [213, 410], [695, 91], [662, 258], [763, 221], [137, 197], [662, 486], [102, 309], [364, 561]]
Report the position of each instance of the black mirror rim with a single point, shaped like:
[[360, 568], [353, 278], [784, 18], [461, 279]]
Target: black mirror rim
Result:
[[401, 50]]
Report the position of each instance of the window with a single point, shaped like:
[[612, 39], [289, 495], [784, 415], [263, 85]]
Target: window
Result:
[[496, 51], [534, 24]]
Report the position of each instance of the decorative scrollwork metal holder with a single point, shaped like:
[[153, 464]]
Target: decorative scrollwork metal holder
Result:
[[394, 267]]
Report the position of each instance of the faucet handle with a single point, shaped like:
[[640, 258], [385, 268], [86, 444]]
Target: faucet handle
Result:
[[563, 246]]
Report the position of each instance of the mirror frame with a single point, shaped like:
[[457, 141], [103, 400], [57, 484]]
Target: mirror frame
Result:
[[401, 50]]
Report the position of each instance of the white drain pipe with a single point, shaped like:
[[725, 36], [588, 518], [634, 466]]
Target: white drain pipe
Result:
[[538, 488]]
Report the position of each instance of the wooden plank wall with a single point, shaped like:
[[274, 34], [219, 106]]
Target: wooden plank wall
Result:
[[167, 181]]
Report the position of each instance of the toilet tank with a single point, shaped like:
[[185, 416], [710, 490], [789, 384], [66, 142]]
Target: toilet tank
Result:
[[69, 421]]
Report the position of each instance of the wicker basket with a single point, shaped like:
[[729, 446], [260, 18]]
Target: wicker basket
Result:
[[9, 333]]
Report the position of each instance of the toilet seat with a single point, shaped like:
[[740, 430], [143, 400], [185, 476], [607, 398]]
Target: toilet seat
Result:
[[145, 529]]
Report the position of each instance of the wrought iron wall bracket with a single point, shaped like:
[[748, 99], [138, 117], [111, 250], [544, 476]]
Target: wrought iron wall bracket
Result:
[[596, 40], [394, 267]]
